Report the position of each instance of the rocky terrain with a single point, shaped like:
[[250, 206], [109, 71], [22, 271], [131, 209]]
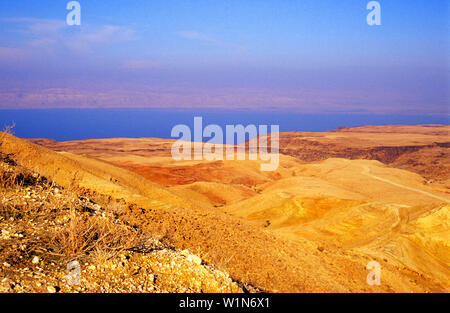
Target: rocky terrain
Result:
[[338, 201], [421, 149], [54, 239]]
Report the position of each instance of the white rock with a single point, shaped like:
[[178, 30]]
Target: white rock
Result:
[[5, 234], [194, 259], [35, 260]]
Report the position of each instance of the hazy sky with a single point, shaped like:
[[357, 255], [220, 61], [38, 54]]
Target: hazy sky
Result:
[[295, 55]]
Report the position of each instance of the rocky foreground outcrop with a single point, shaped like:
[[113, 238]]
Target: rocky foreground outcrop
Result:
[[53, 239]]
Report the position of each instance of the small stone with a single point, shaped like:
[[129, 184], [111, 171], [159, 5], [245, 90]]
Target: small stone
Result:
[[6, 264], [194, 259], [5, 234], [35, 260]]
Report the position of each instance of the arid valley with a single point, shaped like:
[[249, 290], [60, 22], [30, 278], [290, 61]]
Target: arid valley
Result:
[[337, 201]]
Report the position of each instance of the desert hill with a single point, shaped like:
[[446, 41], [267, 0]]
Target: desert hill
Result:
[[422, 149], [337, 201], [248, 253]]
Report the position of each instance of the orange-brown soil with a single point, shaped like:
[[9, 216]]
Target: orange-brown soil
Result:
[[337, 201], [420, 149]]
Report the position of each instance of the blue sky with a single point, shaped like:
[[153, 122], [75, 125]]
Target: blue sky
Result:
[[302, 55]]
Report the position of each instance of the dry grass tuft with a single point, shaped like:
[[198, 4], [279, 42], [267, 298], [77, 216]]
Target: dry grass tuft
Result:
[[8, 129], [86, 235]]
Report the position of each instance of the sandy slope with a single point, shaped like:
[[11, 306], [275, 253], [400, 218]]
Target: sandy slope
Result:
[[247, 252], [312, 225], [342, 202]]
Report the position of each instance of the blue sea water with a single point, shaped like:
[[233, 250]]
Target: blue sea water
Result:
[[72, 124]]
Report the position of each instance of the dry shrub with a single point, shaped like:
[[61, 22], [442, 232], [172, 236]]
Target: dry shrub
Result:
[[13, 212], [84, 235], [19, 178], [8, 129]]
